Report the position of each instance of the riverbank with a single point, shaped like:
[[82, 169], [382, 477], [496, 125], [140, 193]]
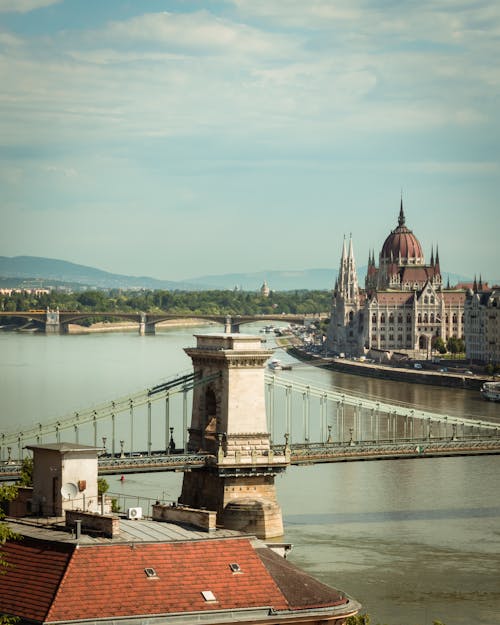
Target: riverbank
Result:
[[130, 326], [374, 370]]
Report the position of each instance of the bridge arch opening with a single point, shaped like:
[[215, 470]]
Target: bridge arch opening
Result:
[[209, 420]]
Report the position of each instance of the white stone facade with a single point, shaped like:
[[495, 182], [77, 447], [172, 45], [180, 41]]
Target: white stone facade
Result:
[[403, 306], [482, 326]]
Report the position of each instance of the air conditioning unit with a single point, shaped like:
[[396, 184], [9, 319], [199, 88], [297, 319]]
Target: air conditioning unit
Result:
[[134, 513]]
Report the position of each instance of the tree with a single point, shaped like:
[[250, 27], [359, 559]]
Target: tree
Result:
[[102, 486], [438, 344], [27, 472], [7, 493]]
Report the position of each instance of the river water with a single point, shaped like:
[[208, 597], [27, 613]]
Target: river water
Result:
[[413, 540]]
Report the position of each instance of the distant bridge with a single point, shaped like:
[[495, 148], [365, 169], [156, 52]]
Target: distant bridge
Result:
[[57, 321]]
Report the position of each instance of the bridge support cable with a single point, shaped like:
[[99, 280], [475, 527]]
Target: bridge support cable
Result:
[[379, 406], [113, 415]]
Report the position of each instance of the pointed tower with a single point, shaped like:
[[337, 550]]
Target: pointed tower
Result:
[[343, 331], [348, 278]]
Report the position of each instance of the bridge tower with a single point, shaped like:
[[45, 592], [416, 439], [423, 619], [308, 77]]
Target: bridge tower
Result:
[[229, 423]]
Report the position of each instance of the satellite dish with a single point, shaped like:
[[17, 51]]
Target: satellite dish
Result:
[[69, 490]]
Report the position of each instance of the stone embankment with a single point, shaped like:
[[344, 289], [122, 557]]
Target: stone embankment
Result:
[[130, 326], [374, 370]]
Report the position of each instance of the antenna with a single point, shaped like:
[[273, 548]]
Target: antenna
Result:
[[69, 490]]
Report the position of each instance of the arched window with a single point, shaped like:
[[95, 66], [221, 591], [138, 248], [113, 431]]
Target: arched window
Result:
[[426, 300], [426, 318], [419, 317], [408, 318], [374, 318], [382, 318], [391, 318], [400, 318], [454, 319], [432, 317]]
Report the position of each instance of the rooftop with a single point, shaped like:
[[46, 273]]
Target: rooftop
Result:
[[158, 573], [131, 531]]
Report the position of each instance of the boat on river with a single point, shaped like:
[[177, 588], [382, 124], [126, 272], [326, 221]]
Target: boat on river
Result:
[[491, 391], [275, 364]]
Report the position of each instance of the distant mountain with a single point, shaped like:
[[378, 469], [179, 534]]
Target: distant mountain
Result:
[[291, 280], [29, 270], [49, 269], [44, 271]]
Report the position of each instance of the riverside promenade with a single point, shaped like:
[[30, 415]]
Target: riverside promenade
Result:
[[389, 372]]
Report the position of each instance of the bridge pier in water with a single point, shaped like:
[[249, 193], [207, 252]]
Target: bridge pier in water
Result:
[[229, 422], [52, 322], [145, 327]]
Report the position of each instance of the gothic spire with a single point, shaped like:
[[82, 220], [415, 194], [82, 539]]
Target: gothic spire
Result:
[[480, 285], [474, 286], [401, 219], [432, 255]]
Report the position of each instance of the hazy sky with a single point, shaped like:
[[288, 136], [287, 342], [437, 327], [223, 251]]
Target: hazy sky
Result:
[[176, 139]]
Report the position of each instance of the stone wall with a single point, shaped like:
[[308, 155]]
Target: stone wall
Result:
[[204, 519], [101, 524]]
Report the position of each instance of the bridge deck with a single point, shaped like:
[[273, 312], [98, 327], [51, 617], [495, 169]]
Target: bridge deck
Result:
[[300, 455]]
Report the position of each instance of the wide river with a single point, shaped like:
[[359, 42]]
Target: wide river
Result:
[[412, 540]]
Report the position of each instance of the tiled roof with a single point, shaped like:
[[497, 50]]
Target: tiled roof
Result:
[[300, 589], [62, 582], [385, 298], [28, 587]]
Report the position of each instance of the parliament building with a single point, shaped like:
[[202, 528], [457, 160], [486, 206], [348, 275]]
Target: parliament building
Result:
[[403, 306]]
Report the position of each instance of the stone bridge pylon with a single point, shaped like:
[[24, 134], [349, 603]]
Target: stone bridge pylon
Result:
[[229, 423]]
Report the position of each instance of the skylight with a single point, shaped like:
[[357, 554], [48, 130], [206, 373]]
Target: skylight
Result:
[[208, 595]]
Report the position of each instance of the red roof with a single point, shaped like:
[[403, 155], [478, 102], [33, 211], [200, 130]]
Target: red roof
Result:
[[29, 585], [51, 581]]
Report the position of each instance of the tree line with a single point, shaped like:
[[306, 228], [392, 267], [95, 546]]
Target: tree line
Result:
[[214, 302]]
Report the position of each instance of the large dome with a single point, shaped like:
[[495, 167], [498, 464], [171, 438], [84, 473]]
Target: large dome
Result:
[[402, 246]]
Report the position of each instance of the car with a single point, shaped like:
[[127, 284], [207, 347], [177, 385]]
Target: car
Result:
[[469, 373], [443, 370], [417, 365]]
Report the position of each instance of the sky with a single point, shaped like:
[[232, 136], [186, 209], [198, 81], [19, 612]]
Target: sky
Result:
[[177, 139]]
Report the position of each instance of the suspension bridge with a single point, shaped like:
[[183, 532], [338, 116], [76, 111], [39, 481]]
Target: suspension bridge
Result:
[[148, 430]]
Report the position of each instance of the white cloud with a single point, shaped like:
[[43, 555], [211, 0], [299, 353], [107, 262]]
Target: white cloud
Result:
[[198, 31], [24, 6]]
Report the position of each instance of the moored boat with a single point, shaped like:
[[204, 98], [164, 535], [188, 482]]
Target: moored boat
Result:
[[491, 391], [275, 364]]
